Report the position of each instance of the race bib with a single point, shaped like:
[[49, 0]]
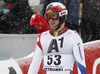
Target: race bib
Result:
[[58, 62]]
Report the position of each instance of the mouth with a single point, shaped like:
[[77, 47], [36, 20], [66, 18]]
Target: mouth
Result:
[[53, 25]]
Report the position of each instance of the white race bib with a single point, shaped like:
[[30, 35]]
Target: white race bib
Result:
[[58, 62]]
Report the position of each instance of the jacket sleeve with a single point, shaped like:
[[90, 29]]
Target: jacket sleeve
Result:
[[79, 56], [37, 58]]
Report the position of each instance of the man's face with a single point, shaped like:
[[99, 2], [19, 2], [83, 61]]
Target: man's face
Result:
[[53, 19], [53, 23]]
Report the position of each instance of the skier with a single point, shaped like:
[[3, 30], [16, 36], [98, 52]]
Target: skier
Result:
[[58, 47]]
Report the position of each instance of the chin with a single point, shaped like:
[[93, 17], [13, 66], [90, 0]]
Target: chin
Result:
[[53, 29]]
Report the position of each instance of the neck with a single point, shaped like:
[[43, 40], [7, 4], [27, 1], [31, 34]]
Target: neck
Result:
[[61, 27], [59, 31], [56, 31]]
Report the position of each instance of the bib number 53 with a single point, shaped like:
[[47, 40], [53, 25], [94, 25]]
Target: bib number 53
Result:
[[57, 61]]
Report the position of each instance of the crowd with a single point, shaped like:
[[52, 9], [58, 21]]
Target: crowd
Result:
[[16, 21], [15, 17], [90, 21]]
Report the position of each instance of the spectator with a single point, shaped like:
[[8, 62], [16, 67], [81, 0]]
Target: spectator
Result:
[[72, 21], [3, 7], [90, 22], [39, 23]]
